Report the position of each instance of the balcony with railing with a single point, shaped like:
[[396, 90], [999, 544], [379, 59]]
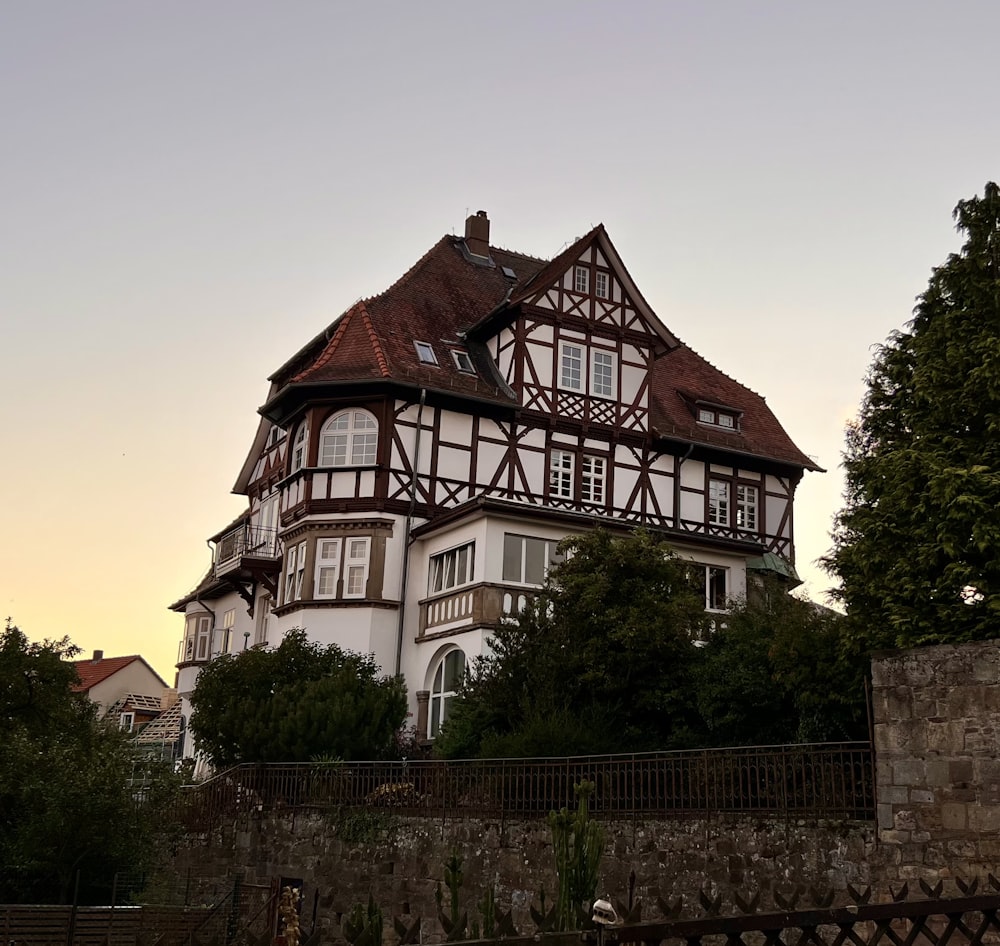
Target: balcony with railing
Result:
[[247, 548], [480, 605]]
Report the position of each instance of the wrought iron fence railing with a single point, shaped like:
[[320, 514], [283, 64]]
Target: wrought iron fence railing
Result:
[[829, 780]]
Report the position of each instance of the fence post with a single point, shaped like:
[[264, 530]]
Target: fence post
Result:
[[71, 931], [111, 915], [234, 910]]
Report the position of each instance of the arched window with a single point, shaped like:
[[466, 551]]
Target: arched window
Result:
[[447, 678], [349, 438], [299, 447]]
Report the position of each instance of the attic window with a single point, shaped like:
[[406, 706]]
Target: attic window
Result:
[[463, 361], [425, 353], [601, 285], [581, 279], [717, 417], [508, 272]]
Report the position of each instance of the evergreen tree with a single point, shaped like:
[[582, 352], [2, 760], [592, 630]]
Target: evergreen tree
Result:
[[917, 544], [295, 703]]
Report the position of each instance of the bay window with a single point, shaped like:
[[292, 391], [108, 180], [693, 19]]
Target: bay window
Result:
[[452, 568], [527, 559]]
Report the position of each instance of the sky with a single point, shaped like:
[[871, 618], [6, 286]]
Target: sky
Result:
[[190, 191]]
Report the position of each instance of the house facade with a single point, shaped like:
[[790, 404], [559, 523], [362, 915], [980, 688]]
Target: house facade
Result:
[[125, 689], [417, 463]]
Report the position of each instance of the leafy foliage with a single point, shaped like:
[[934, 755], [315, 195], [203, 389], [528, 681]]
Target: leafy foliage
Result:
[[295, 703], [75, 794], [601, 661], [915, 546], [778, 673]]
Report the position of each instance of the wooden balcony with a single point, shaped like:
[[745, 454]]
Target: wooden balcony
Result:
[[482, 605]]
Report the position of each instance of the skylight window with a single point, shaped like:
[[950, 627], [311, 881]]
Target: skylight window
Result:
[[508, 272], [425, 353], [463, 361]]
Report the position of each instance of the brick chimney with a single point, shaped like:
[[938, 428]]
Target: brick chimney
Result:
[[477, 234]]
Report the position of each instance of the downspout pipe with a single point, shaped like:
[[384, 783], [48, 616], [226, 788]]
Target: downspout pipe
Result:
[[677, 487], [407, 529]]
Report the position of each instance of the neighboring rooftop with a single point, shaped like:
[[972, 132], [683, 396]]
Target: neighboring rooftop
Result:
[[99, 668]]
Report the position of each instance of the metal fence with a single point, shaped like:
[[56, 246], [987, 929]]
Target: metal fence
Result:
[[830, 780]]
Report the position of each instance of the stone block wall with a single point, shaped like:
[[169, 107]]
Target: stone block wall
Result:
[[937, 718], [402, 860]]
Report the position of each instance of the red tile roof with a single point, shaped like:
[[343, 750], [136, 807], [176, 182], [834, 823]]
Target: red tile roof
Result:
[[445, 294], [92, 672]]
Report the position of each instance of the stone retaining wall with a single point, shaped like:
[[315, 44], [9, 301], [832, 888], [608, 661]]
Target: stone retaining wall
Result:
[[402, 860], [937, 716]]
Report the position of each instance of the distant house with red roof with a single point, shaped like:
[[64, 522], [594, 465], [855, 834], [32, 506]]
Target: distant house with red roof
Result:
[[417, 462], [123, 687]]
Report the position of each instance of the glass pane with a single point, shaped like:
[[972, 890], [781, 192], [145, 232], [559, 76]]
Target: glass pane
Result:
[[327, 581], [435, 716], [463, 565], [534, 561], [512, 545], [437, 572], [717, 588], [454, 667], [449, 570]]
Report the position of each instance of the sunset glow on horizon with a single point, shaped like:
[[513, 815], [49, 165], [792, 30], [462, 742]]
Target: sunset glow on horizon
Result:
[[191, 192]]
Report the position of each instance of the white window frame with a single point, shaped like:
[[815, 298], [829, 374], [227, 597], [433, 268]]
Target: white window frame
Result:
[[570, 353], [601, 284], [265, 538], [295, 570], [203, 638], [444, 688], [718, 417], [608, 389], [126, 722], [522, 543], [264, 608], [356, 563], [581, 278], [327, 566], [451, 568], [561, 474], [593, 478], [719, 498], [747, 507], [228, 623], [349, 438], [716, 598], [463, 361], [300, 448], [425, 353]]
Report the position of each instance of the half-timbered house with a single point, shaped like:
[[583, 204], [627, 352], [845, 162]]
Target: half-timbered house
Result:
[[418, 461]]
